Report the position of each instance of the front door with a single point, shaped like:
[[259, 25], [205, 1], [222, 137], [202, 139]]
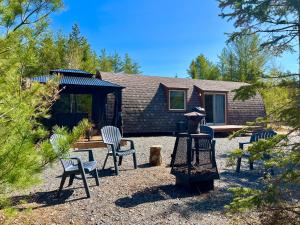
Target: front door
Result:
[[215, 105]]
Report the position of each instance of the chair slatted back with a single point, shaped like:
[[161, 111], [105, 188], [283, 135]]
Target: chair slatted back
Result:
[[263, 134], [205, 143], [111, 135], [54, 140]]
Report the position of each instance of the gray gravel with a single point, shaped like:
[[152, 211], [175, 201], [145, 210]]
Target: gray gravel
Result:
[[143, 196]]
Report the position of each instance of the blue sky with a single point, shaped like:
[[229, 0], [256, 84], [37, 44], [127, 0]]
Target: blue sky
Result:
[[163, 36]]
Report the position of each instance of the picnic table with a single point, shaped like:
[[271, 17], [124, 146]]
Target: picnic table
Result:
[[91, 143]]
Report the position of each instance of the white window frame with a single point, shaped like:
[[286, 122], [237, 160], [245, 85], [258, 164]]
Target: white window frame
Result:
[[169, 99], [225, 106]]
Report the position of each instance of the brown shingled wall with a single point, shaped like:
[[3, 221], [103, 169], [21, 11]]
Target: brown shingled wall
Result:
[[239, 112], [145, 108]]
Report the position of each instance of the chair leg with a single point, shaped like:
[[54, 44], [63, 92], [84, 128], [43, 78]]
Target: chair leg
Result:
[[250, 164], [86, 186], [134, 160], [116, 165], [62, 182], [71, 179], [120, 160], [238, 165], [96, 176], [105, 161]]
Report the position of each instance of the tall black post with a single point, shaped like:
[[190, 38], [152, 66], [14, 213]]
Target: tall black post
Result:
[[117, 119], [99, 110]]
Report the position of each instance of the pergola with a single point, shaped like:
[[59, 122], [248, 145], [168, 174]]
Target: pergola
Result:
[[81, 82]]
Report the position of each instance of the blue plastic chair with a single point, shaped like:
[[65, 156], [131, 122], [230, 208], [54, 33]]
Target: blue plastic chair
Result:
[[112, 138], [74, 166]]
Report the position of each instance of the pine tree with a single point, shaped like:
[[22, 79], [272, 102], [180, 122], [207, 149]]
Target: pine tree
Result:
[[243, 60], [278, 23], [202, 68]]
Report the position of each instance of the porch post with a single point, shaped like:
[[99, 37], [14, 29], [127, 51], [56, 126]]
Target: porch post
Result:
[[117, 119], [98, 109]]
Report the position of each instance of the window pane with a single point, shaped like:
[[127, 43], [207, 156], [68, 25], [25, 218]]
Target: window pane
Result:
[[177, 100], [62, 105], [84, 104], [209, 108], [219, 108]]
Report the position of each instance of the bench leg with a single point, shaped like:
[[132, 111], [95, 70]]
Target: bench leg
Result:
[[238, 165]]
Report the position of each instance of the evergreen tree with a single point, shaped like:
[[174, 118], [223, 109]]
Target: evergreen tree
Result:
[[25, 149], [243, 60], [278, 23], [129, 66], [105, 62], [202, 68]]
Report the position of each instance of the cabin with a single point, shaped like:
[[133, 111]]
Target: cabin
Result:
[[153, 104], [140, 104], [83, 95]]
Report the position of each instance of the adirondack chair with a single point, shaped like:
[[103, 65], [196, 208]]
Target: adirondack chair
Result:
[[207, 130], [256, 136], [74, 166], [112, 138]]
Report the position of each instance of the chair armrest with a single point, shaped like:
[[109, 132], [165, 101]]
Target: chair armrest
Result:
[[90, 152], [77, 158], [241, 144], [131, 143]]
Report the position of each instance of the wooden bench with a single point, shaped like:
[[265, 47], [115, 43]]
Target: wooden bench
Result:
[[255, 136]]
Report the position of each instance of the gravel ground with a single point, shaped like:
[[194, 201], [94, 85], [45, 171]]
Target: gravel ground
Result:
[[143, 196]]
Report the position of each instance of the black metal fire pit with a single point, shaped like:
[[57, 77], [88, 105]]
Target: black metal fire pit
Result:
[[193, 160]]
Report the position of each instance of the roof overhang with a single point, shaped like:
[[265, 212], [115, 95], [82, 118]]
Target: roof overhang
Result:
[[78, 81], [174, 86], [214, 90]]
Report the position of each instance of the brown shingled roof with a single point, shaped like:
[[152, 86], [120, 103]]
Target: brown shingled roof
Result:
[[170, 82], [145, 104]]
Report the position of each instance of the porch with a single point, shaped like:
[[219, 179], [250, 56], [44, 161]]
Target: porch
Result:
[[83, 95]]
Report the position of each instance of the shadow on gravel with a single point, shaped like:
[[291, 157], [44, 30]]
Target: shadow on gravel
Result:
[[106, 172], [205, 202], [145, 165], [250, 179], [45, 199], [153, 194]]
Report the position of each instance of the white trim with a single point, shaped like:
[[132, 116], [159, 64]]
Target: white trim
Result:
[[169, 100], [225, 106]]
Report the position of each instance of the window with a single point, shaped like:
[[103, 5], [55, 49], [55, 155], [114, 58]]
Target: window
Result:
[[215, 108], [74, 103], [177, 100]]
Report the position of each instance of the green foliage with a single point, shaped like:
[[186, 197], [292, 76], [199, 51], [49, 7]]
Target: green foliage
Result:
[[243, 60], [202, 68], [129, 66], [278, 22], [115, 63], [233, 155], [51, 51], [22, 153], [275, 97], [25, 149]]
